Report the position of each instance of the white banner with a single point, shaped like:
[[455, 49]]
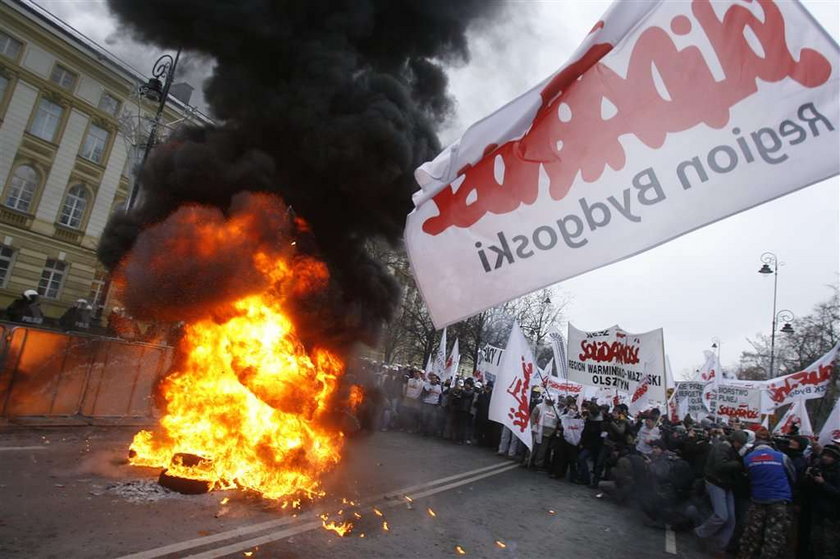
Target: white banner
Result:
[[668, 117], [807, 384], [796, 416], [489, 360], [439, 364], [831, 430], [734, 401], [509, 403], [689, 397], [452, 364], [618, 360]]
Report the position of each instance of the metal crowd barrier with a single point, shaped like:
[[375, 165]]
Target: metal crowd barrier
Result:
[[52, 377]]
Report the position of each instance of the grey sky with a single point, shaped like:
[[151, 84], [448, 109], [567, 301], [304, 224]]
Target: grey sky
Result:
[[702, 285]]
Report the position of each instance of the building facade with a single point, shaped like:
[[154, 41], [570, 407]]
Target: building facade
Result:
[[72, 128]]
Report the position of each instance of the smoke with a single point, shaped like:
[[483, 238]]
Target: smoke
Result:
[[330, 105]]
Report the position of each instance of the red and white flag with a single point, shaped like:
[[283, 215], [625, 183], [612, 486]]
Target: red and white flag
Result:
[[811, 382], [797, 415], [640, 398], [668, 117], [451, 369], [831, 430], [509, 403]]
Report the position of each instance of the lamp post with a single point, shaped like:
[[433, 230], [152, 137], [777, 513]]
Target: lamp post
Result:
[[155, 90], [770, 265]]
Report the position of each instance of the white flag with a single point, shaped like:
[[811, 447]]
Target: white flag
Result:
[[558, 347], [797, 415], [664, 120], [710, 375], [640, 399], [439, 365], [509, 404], [429, 365], [831, 430], [453, 362]]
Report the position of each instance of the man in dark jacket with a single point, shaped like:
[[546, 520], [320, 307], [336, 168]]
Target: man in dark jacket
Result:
[[723, 467], [76, 317], [590, 442], [822, 487]]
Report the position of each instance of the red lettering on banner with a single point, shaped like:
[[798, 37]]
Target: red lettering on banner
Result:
[[519, 390], [820, 375], [742, 412], [569, 135], [601, 352]]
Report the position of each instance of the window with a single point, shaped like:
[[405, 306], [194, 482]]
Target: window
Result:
[[4, 84], [46, 121], [52, 278], [109, 104], [74, 207], [93, 147], [98, 291], [7, 257], [63, 77], [9, 46], [22, 188]]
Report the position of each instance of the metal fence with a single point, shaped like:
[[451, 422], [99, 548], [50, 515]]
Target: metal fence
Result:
[[49, 376]]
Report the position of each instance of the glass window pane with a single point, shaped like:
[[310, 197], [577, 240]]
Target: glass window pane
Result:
[[109, 104], [51, 278], [22, 188], [63, 77], [94, 145], [6, 256], [4, 83], [73, 210], [9, 46], [46, 121]]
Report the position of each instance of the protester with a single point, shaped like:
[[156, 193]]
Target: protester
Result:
[[648, 433], [771, 475], [411, 401], [723, 468], [432, 390], [822, 486]]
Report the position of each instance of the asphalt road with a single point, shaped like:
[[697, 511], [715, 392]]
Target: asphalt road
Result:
[[68, 493]]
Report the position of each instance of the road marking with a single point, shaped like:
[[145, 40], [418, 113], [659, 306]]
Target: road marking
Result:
[[11, 448], [670, 541], [315, 524], [254, 528]]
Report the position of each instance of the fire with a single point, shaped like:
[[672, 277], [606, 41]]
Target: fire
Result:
[[340, 528], [247, 399]]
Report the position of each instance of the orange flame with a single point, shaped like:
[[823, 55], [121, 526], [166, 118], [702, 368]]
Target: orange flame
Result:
[[248, 399], [340, 528]]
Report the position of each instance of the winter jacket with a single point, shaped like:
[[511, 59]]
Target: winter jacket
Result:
[[771, 475], [824, 498], [723, 466]]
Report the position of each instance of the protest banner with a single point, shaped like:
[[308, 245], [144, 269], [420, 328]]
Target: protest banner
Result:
[[689, 397], [618, 360], [489, 360], [811, 382], [831, 430], [509, 403], [796, 417], [663, 121], [740, 402]]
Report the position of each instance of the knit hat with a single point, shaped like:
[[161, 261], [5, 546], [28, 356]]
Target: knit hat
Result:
[[740, 437], [762, 434], [833, 450]]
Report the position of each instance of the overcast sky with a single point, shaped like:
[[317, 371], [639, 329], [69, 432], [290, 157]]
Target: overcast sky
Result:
[[704, 284]]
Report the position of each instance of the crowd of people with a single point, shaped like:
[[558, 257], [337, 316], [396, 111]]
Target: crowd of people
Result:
[[742, 491]]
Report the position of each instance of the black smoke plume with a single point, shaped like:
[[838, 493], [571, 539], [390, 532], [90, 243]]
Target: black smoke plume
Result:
[[330, 104]]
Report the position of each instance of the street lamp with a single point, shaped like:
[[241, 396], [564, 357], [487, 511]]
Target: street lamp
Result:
[[157, 91], [770, 265]]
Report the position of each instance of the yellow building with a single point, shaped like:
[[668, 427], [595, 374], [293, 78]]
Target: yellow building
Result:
[[72, 127]]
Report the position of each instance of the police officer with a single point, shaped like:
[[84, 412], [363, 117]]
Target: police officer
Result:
[[26, 308]]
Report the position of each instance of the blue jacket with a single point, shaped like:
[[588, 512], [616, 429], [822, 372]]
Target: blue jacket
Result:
[[771, 475]]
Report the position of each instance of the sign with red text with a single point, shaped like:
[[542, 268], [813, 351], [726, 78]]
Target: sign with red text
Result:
[[733, 401], [668, 117], [809, 383], [795, 420], [509, 403], [618, 360], [689, 396]]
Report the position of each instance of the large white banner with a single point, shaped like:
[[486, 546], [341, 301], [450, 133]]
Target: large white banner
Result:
[[737, 401], [809, 383], [689, 397], [509, 403], [668, 117], [618, 360]]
